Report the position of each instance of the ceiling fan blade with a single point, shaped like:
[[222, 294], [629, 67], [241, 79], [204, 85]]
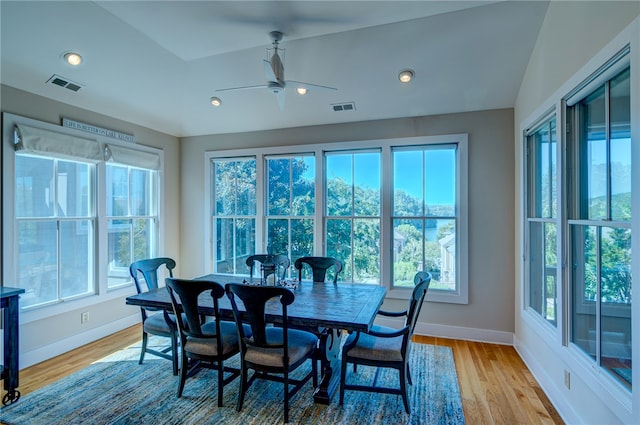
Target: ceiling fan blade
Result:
[[280, 98], [309, 85], [269, 75], [261, 86]]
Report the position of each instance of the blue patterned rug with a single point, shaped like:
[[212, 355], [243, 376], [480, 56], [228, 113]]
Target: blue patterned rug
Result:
[[117, 390]]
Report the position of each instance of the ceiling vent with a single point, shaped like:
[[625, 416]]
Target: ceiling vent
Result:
[[64, 82], [349, 106]]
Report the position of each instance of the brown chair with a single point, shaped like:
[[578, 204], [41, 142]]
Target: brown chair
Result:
[[386, 347], [319, 267], [270, 351], [154, 321], [206, 344], [280, 261]]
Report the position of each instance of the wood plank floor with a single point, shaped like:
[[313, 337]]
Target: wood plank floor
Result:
[[495, 384]]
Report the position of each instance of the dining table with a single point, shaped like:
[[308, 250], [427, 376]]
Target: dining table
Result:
[[333, 309]]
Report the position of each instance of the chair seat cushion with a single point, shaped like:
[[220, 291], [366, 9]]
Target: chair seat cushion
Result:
[[300, 344], [209, 346], [155, 324], [376, 348]]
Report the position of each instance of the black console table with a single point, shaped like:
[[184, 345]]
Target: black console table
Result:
[[9, 369]]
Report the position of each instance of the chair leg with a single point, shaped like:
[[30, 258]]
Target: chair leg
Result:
[[314, 370], [243, 387], [174, 352], [409, 375], [403, 389], [184, 366], [144, 346], [220, 383], [286, 397]]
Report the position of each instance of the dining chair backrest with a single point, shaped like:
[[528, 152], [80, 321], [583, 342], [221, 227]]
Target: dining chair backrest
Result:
[[319, 267], [422, 280], [255, 299], [187, 292], [149, 270], [281, 262]]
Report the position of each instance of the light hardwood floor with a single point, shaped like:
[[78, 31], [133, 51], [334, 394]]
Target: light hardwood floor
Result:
[[495, 384]]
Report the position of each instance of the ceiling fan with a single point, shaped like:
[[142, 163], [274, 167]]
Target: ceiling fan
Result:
[[274, 74]]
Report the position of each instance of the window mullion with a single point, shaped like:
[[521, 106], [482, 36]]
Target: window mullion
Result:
[[607, 138]]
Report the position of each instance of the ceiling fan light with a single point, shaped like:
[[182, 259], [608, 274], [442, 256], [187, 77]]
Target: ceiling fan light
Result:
[[73, 58], [215, 101], [405, 76], [301, 91]]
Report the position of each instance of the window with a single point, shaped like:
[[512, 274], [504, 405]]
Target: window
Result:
[[352, 226], [385, 208], [131, 219], [55, 230], [76, 213], [425, 215], [291, 200], [234, 214], [600, 225], [541, 230]]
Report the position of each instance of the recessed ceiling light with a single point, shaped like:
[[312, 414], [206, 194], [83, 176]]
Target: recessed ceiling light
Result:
[[215, 101], [73, 58], [405, 76], [301, 91]]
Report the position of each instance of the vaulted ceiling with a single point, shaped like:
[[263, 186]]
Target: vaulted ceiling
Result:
[[158, 63]]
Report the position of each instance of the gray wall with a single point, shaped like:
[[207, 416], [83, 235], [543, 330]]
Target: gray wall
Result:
[[43, 338], [491, 189]]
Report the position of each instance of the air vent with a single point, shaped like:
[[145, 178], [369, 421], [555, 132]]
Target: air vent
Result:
[[349, 106], [64, 82]]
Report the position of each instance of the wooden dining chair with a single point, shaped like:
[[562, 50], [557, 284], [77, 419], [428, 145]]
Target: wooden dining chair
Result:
[[270, 351], [155, 321], [384, 347], [205, 343], [319, 267], [281, 262]]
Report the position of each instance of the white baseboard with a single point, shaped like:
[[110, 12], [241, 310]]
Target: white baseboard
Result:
[[455, 332], [59, 347], [548, 385]]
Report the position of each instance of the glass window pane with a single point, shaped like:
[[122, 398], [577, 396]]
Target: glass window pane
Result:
[[408, 250], [278, 236], [338, 239], [552, 170], [245, 242], [304, 186], [246, 187], [279, 186], [339, 185], [117, 190], [440, 253], [440, 182], [119, 252], [584, 287], [34, 187], [140, 192], [224, 246], [72, 189], [37, 262], [542, 269], [620, 130], [408, 190], [366, 251], [594, 155], [366, 176], [235, 187], [76, 262], [301, 238]]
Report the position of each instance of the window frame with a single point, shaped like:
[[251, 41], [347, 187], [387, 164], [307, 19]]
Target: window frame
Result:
[[9, 237], [460, 296]]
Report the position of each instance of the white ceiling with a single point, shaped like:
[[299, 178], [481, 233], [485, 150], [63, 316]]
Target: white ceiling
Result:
[[157, 63]]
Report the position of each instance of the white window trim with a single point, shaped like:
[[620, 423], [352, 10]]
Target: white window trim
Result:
[[461, 296], [9, 260]]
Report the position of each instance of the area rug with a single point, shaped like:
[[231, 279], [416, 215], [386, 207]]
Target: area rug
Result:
[[117, 390]]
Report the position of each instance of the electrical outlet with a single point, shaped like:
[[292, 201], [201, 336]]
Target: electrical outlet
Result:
[[567, 379], [84, 317]]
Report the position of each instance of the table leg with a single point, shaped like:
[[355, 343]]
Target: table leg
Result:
[[330, 344], [10, 372]]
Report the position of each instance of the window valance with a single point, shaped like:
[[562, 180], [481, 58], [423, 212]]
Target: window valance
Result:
[[37, 140], [132, 157]]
